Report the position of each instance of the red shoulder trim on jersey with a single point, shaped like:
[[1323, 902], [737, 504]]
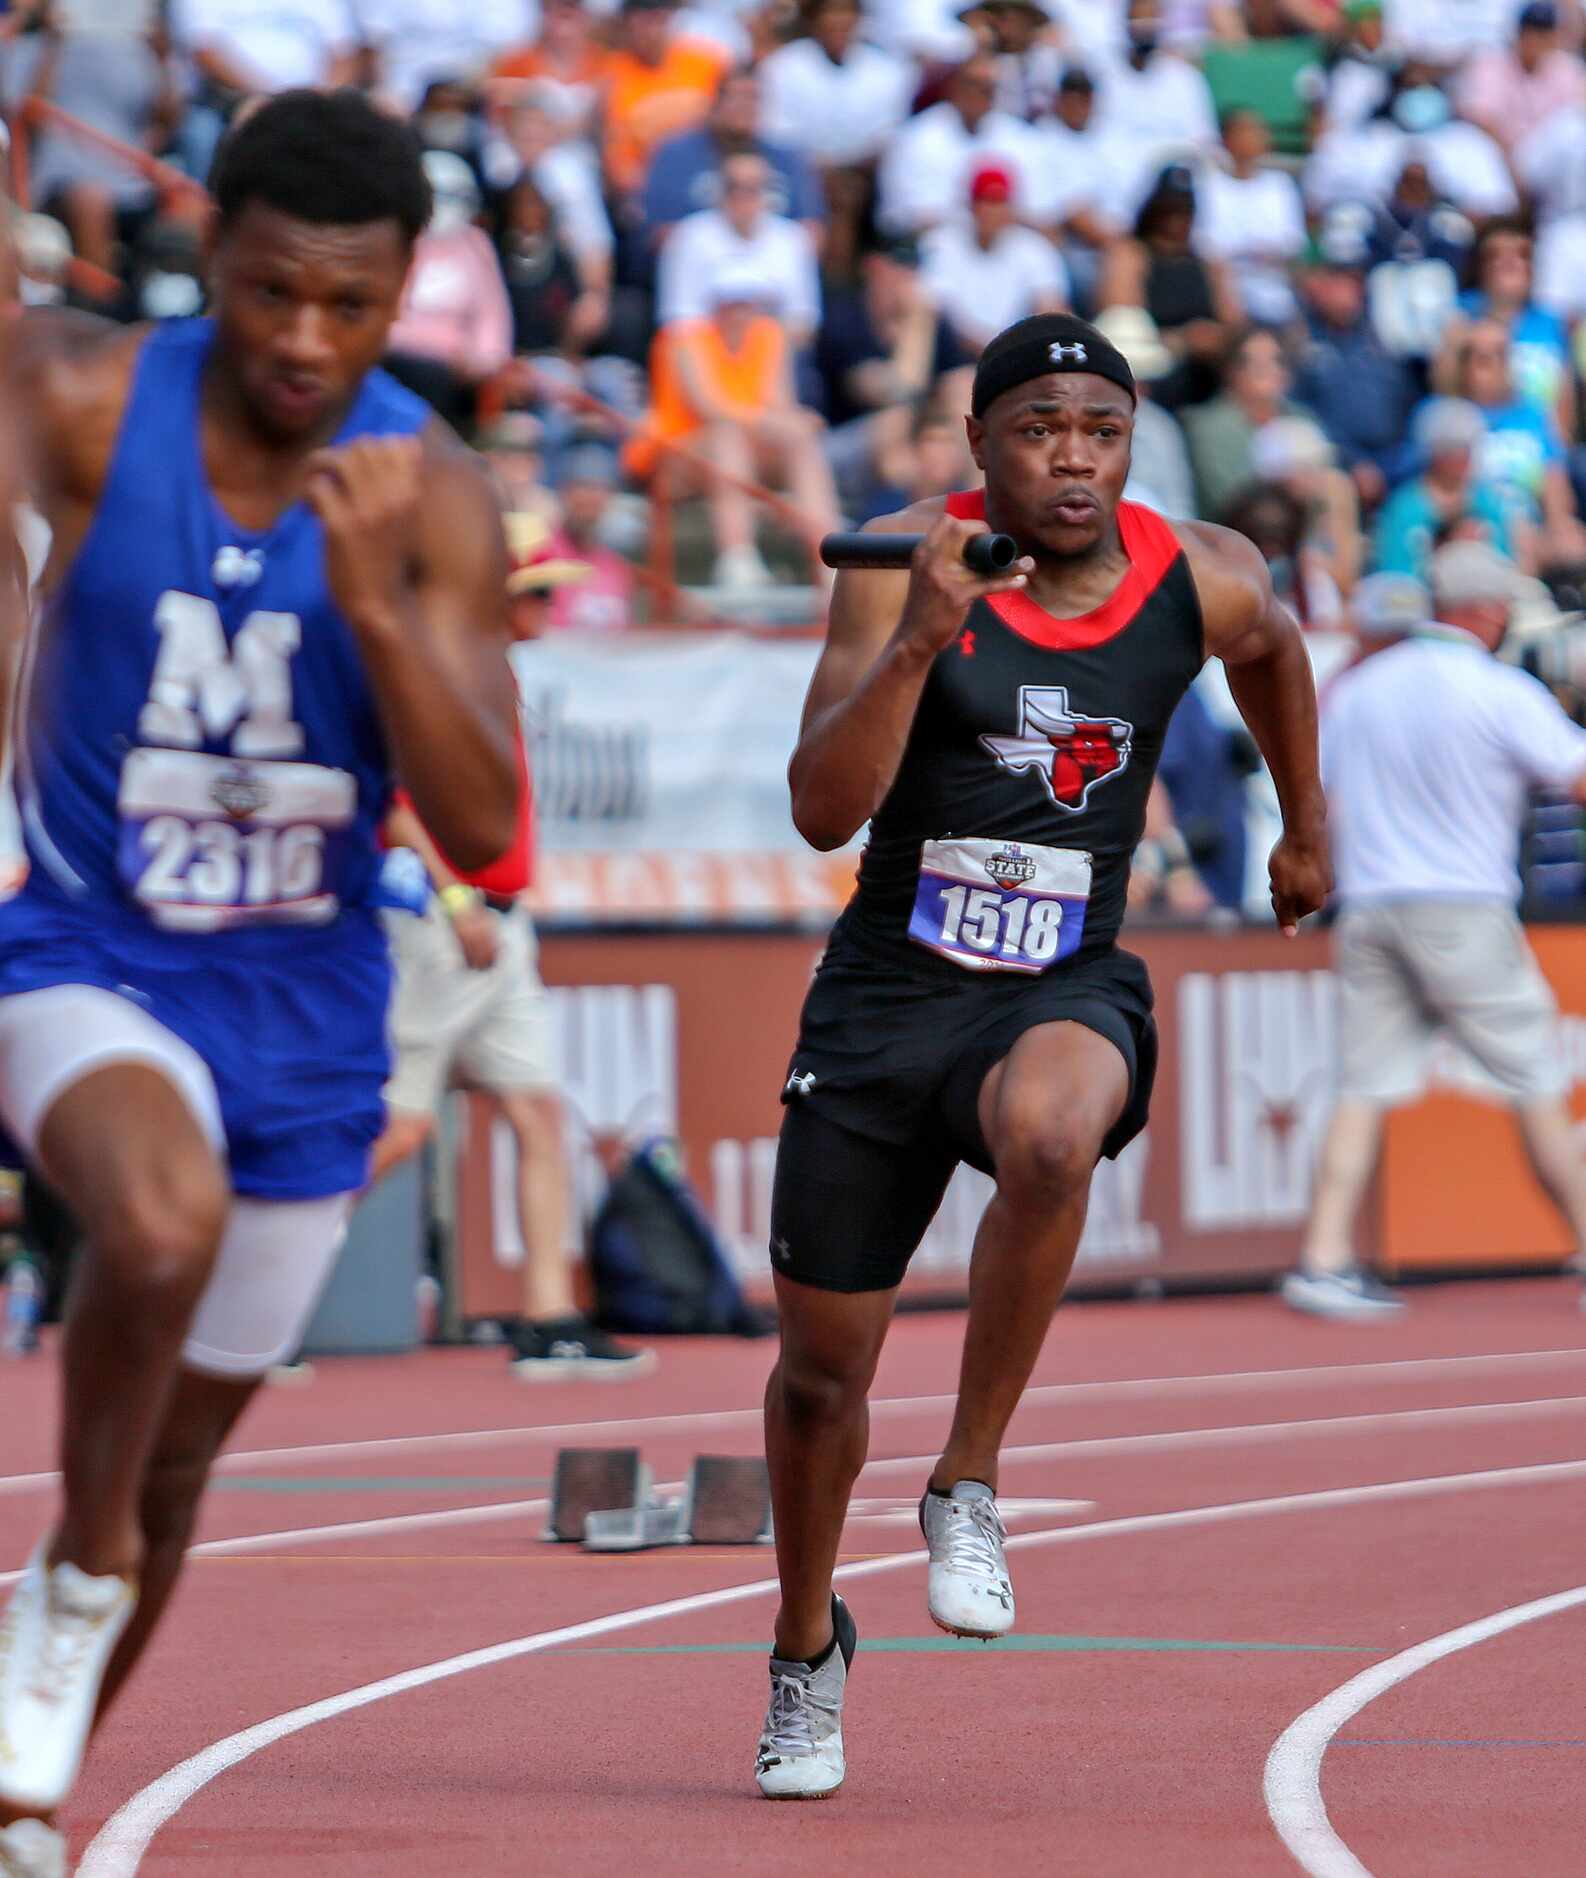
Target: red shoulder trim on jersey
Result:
[[969, 505], [1152, 548]]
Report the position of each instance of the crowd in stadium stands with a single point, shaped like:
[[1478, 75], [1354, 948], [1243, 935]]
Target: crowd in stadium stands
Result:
[[744, 242]]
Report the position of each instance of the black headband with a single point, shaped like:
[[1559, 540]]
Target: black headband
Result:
[[1045, 343]]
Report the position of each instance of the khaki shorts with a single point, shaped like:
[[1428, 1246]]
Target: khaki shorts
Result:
[[1410, 971], [449, 1024]]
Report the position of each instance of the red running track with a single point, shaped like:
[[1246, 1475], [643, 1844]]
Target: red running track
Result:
[[1163, 1645]]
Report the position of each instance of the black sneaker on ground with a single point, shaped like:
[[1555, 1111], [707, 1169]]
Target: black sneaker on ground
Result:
[[571, 1349]]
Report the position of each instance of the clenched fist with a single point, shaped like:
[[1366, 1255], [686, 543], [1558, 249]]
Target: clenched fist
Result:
[[366, 494]]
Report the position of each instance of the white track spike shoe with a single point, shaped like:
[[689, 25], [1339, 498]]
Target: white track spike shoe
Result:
[[801, 1746]]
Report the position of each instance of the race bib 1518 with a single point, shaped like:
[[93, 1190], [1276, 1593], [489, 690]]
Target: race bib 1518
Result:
[[1000, 906]]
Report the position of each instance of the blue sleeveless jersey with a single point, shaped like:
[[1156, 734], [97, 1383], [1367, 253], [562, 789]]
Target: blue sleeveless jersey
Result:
[[201, 774]]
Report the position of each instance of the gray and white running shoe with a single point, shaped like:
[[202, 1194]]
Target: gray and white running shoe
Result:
[[801, 1745], [1353, 1296], [968, 1592]]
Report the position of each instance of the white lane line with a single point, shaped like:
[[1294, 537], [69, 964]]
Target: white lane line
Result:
[[1109, 1444], [1265, 1431], [1404, 1369], [119, 1847], [1293, 1782]]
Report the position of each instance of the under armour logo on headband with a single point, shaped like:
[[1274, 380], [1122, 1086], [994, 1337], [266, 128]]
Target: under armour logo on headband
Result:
[[1074, 354]]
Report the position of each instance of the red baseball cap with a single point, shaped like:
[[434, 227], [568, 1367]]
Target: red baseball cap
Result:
[[992, 182]]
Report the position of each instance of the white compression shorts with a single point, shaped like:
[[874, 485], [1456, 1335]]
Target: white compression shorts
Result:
[[275, 1255]]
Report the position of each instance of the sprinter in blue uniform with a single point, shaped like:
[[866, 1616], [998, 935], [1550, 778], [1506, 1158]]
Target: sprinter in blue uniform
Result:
[[276, 586]]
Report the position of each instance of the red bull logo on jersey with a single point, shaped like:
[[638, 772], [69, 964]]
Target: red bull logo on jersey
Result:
[[1072, 753]]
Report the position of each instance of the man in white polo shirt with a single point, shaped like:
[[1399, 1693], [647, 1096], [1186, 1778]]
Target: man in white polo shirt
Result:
[[1429, 750]]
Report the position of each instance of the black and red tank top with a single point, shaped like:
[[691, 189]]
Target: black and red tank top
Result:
[[1039, 731]]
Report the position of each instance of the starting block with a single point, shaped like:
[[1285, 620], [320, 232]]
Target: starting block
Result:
[[605, 1497], [591, 1481]]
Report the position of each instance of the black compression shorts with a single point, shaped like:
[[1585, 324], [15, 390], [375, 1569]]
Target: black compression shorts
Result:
[[882, 1096]]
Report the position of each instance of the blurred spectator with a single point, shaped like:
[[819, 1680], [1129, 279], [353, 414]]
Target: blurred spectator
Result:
[[106, 71], [926, 167], [656, 85], [513, 452], [685, 173], [1154, 102], [1159, 465], [1192, 299], [1550, 164], [549, 311], [566, 174], [565, 67], [1162, 878], [1444, 35], [1521, 454], [1512, 90], [924, 32], [1028, 54], [1346, 378], [1364, 162], [830, 96], [1072, 192], [1539, 351], [741, 237], [1251, 218], [1561, 262], [986, 272], [414, 44], [448, 118], [166, 275], [1204, 768], [603, 600], [882, 350], [725, 383], [454, 329], [1361, 74], [937, 458], [1417, 250], [42, 250], [1448, 500], [1255, 391], [1275, 520], [239, 48], [1292, 453]]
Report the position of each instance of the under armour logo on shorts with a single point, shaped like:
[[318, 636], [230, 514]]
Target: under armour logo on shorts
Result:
[[798, 1084], [1070, 354]]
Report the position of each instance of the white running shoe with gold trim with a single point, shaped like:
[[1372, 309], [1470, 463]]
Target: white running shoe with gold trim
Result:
[[55, 1643]]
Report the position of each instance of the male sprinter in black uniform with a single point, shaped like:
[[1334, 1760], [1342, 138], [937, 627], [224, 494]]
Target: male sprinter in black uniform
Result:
[[1000, 736]]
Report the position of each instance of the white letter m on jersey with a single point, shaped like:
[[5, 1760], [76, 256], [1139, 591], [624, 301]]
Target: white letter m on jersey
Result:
[[202, 689]]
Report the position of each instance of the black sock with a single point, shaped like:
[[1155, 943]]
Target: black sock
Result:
[[810, 1662]]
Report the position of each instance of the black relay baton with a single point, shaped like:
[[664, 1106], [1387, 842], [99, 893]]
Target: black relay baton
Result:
[[986, 555]]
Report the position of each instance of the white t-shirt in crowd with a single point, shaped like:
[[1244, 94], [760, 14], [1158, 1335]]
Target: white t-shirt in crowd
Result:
[[1072, 170], [1428, 751], [1362, 163], [1257, 225], [1561, 267], [420, 41], [284, 43], [779, 256], [833, 113], [1445, 31], [982, 290], [1166, 107], [1551, 162], [926, 167], [1095, 32], [928, 30]]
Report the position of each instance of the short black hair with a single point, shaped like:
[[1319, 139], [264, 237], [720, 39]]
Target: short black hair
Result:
[[326, 157]]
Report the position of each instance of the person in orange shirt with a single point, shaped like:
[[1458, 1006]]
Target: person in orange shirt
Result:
[[656, 86], [724, 385], [566, 57]]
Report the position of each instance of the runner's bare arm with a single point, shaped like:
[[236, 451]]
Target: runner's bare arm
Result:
[[1269, 673], [884, 631], [417, 562]]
